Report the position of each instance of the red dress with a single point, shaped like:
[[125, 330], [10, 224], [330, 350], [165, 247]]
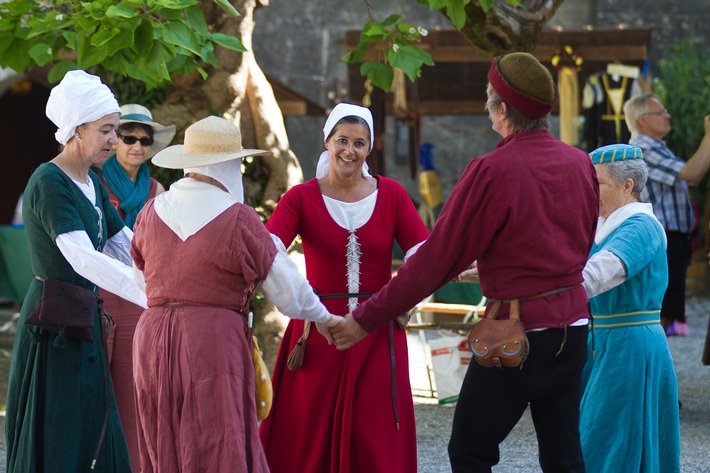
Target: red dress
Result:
[[120, 347], [336, 414], [193, 366]]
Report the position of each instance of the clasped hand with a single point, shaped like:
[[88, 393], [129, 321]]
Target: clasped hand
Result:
[[344, 332]]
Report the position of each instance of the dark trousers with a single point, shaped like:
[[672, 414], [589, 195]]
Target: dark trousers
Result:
[[679, 253], [492, 401]]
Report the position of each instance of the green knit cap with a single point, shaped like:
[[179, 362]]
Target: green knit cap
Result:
[[524, 83], [525, 73]]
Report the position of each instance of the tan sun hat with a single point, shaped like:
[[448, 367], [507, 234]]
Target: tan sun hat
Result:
[[211, 140], [162, 134]]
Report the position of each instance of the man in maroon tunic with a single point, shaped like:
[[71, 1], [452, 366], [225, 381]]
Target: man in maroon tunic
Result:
[[526, 213]]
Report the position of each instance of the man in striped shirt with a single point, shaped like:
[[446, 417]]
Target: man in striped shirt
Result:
[[667, 189]]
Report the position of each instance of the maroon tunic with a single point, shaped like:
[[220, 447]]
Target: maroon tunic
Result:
[[193, 365], [527, 213], [335, 414]]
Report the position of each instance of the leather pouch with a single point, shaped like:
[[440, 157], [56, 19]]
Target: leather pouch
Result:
[[67, 309], [500, 343]]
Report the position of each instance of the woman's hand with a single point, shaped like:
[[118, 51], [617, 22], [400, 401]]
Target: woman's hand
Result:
[[324, 329], [470, 274]]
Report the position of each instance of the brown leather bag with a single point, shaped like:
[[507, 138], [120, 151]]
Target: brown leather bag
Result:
[[499, 343], [65, 308]]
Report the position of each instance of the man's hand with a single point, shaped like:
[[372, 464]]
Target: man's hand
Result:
[[324, 329], [347, 333]]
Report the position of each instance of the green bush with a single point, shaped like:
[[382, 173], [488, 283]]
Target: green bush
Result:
[[683, 84]]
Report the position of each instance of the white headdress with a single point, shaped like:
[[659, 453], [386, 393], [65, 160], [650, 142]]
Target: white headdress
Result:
[[79, 98], [339, 112]]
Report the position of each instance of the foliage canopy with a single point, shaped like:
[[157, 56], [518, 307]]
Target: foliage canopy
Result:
[[147, 40], [394, 42]]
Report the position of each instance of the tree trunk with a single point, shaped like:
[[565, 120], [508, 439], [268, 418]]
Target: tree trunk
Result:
[[239, 90], [506, 28]]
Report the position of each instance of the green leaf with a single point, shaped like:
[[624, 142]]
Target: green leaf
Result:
[[381, 75], [196, 20], [486, 5], [41, 53], [437, 4], [124, 39], [391, 20], [374, 30], [227, 41], [226, 6], [456, 13], [207, 54], [103, 36], [179, 34], [357, 54], [85, 23], [409, 59], [16, 56], [86, 54], [171, 4], [120, 11], [57, 72]]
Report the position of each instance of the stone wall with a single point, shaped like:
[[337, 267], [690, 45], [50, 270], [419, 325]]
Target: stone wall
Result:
[[300, 44]]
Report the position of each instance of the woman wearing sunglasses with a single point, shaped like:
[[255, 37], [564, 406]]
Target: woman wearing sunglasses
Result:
[[129, 186]]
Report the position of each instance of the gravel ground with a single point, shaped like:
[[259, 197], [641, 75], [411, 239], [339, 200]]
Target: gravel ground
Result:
[[519, 451]]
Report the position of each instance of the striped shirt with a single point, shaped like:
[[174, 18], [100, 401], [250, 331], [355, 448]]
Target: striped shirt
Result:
[[669, 196]]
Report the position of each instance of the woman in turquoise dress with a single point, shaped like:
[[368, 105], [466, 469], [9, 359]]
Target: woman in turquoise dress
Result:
[[61, 411], [629, 417]]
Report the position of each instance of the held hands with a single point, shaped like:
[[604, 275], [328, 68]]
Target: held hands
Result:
[[324, 329], [347, 333], [470, 273]]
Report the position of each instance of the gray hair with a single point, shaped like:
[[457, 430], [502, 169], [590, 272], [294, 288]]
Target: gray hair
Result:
[[635, 107], [634, 169], [517, 121]]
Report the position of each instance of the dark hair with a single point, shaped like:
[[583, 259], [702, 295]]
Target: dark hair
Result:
[[355, 120], [130, 126]]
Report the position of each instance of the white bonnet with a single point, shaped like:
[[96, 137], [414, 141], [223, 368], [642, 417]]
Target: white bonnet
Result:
[[79, 98], [341, 111]]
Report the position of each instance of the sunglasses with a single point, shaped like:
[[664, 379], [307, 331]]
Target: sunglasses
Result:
[[131, 140]]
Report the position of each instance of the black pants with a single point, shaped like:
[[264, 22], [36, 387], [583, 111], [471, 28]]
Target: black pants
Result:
[[492, 401], [679, 253]]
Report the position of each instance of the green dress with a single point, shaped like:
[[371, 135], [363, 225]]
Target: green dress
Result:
[[56, 400]]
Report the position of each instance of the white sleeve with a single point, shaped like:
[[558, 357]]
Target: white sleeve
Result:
[[104, 271], [289, 290], [119, 246], [602, 272], [412, 250]]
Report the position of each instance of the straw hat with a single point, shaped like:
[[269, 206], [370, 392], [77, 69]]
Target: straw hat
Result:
[[211, 140], [162, 134]]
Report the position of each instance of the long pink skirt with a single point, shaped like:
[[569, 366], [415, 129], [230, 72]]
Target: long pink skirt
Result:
[[194, 381]]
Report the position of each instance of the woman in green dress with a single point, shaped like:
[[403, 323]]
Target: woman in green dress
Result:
[[61, 411]]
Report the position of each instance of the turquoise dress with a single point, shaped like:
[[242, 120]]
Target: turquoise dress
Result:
[[629, 417], [56, 399]]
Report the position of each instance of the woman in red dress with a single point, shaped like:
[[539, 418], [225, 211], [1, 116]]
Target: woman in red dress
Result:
[[351, 411]]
